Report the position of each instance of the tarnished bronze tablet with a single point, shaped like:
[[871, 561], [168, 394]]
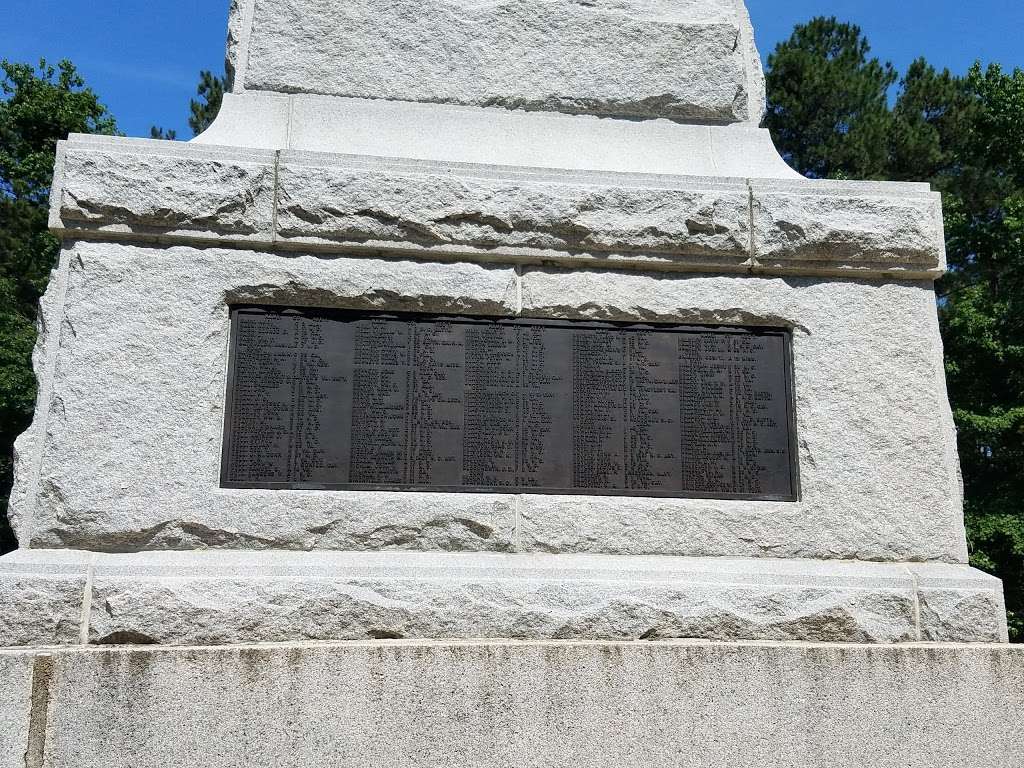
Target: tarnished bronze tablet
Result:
[[327, 399]]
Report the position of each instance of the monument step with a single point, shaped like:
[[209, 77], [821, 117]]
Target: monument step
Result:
[[220, 597], [486, 704]]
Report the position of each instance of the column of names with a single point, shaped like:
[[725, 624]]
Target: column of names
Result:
[[346, 399]]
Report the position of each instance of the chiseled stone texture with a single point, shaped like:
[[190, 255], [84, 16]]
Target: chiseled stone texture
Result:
[[220, 598], [130, 428], [877, 450], [692, 60], [870, 225], [954, 609], [394, 204], [162, 189], [598, 705], [15, 707], [878, 468], [41, 602], [228, 596], [135, 190]]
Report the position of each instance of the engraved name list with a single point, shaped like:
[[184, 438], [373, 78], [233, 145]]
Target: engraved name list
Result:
[[331, 399]]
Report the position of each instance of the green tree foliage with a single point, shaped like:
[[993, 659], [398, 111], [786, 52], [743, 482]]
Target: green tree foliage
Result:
[[833, 114], [39, 106], [205, 108], [163, 134], [932, 109], [829, 102], [982, 309]]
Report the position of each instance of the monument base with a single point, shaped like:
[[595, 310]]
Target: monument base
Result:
[[220, 597], [481, 704]]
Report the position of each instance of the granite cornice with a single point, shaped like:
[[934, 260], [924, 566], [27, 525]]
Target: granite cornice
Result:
[[146, 191]]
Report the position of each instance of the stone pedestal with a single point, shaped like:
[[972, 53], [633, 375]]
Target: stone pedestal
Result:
[[548, 160], [595, 705]]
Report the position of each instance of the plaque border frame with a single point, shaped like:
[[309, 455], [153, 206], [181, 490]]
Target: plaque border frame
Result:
[[789, 373]]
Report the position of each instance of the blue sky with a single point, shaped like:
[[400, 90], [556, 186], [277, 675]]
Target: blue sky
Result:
[[143, 56]]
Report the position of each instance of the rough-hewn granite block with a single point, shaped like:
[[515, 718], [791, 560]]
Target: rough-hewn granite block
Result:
[[686, 61], [136, 190], [124, 453], [877, 460], [158, 189], [854, 227], [957, 607], [218, 598], [222, 596], [41, 599], [486, 210]]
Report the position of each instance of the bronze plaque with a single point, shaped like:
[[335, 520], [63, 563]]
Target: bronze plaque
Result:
[[329, 399]]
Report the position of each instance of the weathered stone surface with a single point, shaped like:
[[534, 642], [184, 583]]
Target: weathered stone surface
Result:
[[879, 476], [854, 226], [539, 704], [130, 432], [685, 61], [28, 446], [142, 190], [239, 28], [878, 467], [41, 603], [402, 204], [955, 607], [964, 614], [242, 598], [222, 597], [163, 190], [15, 707]]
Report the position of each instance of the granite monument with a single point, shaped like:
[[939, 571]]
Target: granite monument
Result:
[[482, 388]]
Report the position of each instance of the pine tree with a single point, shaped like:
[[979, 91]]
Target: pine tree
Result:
[[828, 106], [830, 115], [982, 312], [162, 134], [205, 108]]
